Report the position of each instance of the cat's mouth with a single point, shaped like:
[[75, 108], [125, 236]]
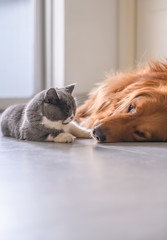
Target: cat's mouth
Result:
[[65, 123], [68, 120]]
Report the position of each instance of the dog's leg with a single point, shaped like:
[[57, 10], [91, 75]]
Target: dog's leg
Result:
[[78, 131]]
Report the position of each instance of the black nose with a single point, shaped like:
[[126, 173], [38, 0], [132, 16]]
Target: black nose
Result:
[[99, 134]]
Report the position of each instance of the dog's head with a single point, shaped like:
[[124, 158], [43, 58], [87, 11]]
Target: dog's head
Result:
[[138, 112]]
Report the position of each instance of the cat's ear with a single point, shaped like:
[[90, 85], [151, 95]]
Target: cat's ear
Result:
[[70, 88], [51, 96]]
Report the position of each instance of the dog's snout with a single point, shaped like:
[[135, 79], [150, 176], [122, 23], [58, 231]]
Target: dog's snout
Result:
[[99, 134]]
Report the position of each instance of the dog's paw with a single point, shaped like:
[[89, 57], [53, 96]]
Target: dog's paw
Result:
[[86, 133], [64, 138]]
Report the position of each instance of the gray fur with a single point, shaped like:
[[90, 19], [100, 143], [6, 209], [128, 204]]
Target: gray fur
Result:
[[24, 121]]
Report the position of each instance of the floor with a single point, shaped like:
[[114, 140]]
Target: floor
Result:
[[83, 191]]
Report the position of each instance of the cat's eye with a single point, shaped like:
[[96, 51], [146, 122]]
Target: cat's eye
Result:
[[67, 108]]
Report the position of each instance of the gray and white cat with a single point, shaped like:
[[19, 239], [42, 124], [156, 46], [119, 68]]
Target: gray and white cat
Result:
[[47, 117]]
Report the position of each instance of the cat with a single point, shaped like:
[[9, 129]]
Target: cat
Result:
[[46, 117]]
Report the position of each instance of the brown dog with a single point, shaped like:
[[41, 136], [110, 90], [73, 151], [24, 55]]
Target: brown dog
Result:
[[129, 107]]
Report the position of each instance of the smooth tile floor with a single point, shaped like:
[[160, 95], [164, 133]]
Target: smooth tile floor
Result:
[[83, 191]]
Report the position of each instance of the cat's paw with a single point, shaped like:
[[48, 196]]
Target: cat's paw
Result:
[[64, 138]]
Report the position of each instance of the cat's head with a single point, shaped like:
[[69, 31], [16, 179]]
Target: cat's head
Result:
[[59, 104]]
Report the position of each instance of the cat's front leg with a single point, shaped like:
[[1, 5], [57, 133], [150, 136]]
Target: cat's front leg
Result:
[[79, 131], [64, 138], [61, 138]]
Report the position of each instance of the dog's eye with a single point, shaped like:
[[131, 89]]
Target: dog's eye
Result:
[[140, 134], [130, 108]]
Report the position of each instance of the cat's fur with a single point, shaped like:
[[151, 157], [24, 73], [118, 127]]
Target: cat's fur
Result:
[[47, 117]]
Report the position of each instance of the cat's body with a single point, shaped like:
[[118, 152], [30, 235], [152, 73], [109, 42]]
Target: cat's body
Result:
[[47, 117]]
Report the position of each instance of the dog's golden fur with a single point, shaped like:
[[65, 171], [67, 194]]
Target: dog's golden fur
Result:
[[130, 106]]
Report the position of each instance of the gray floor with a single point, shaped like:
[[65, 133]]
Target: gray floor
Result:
[[83, 191]]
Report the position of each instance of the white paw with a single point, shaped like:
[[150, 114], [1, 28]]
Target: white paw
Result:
[[64, 138]]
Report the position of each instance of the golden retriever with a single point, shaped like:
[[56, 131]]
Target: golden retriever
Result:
[[129, 107]]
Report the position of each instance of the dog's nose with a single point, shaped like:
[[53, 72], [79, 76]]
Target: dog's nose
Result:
[[99, 134]]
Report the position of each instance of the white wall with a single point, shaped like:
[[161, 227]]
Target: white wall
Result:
[[90, 41], [151, 29], [126, 34]]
